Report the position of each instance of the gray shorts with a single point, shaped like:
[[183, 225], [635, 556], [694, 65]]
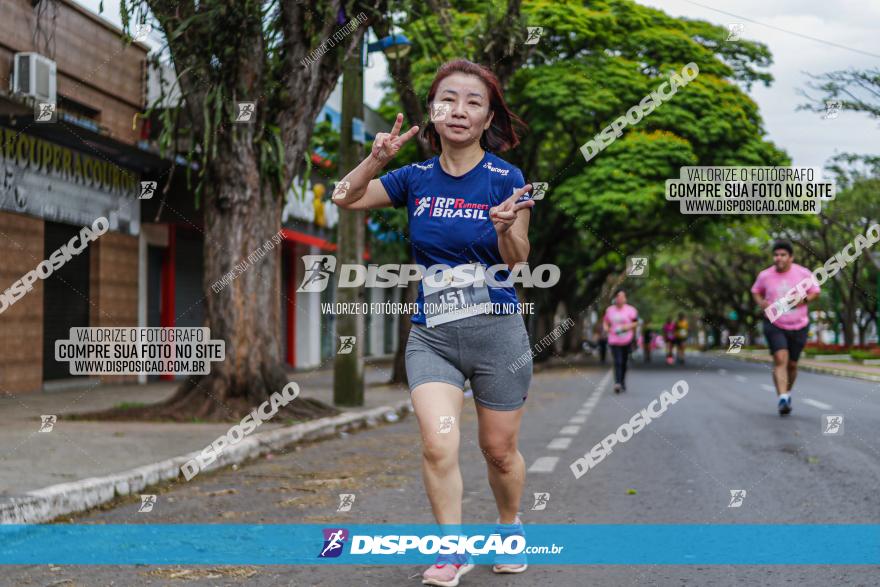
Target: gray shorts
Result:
[[492, 350]]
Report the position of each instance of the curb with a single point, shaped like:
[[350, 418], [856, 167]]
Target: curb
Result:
[[814, 368], [48, 503]]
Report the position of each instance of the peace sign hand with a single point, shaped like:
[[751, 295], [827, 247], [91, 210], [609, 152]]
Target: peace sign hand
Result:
[[504, 215], [386, 145]]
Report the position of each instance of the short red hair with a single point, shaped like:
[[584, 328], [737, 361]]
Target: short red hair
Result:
[[501, 134]]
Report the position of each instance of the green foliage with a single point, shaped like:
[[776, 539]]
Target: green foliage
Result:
[[128, 405], [707, 279], [859, 355], [326, 139]]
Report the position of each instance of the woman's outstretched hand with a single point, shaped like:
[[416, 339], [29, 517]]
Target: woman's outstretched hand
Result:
[[387, 144]]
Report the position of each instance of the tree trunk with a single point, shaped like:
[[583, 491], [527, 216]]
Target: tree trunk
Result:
[[241, 215], [241, 210], [848, 336]]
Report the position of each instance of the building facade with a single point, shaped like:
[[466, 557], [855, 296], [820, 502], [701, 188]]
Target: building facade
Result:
[[60, 173], [87, 162]]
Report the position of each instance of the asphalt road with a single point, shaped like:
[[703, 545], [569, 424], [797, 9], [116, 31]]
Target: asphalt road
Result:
[[723, 435]]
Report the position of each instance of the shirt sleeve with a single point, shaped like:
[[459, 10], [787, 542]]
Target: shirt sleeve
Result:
[[758, 286], [396, 184]]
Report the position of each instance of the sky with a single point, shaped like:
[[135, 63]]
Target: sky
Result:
[[809, 139], [839, 30]]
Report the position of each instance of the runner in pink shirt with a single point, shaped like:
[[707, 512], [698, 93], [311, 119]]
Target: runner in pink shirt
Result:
[[785, 328], [620, 322]]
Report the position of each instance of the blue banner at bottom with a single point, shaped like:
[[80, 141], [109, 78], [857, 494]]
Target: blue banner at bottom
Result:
[[391, 544]]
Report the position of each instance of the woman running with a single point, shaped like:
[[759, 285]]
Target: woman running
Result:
[[620, 322], [462, 208]]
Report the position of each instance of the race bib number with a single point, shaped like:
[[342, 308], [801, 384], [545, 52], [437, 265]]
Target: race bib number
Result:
[[450, 297]]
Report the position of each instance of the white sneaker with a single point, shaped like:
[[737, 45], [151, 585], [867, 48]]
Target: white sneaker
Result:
[[784, 404]]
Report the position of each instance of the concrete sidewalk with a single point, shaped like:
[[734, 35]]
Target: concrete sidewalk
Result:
[[840, 368], [31, 460]]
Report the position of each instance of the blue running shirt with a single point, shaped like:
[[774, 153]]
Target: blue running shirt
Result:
[[449, 216]]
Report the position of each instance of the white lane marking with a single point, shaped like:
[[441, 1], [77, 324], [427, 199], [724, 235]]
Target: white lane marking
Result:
[[594, 397], [548, 464], [559, 443], [816, 404], [578, 420], [544, 465], [603, 383], [741, 379], [722, 372], [766, 387]]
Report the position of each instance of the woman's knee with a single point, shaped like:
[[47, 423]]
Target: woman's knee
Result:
[[500, 453], [440, 453]]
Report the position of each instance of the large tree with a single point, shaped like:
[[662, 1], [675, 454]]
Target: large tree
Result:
[[225, 52]]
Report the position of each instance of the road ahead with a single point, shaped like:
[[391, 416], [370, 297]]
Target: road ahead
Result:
[[723, 435]]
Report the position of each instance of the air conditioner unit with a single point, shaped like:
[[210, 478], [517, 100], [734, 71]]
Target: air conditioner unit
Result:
[[34, 75]]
